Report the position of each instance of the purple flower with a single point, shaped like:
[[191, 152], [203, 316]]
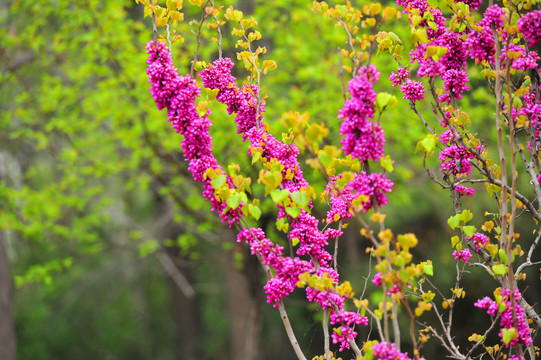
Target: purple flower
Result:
[[493, 16], [362, 138], [456, 159], [399, 76], [377, 280], [508, 319], [413, 90], [455, 84], [480, 240], [481, 45], [387, 351], [530, 26], [463, 255], [474, 4], [371, 186], [464, 190]]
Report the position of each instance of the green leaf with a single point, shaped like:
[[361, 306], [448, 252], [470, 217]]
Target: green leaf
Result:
[[233, 201], [295, 241], [294, 212], [279, 195], [428, 143], [466, 216], [428, 269], [325, 159], [218, 181], [454, 221], [499, 270], [255, 211], [383, 99], [387, 163], [509, 335], [503, 256], [469, 230], [300, 198], [148, 247]]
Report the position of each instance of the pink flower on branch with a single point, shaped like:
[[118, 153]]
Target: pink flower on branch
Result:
[[530, 26], [463, 255], [363, 139], [509, 319]]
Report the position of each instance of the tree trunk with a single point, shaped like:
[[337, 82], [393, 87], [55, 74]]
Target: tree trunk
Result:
[[7, 326], [244, 294], [187, 322]]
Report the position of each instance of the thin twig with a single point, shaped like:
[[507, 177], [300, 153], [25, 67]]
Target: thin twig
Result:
[[154, 26], [175, 274], [341, 72], [218, 28], [198, 39], [326, 334]]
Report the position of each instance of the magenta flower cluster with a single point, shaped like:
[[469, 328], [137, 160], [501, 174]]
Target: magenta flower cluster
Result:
[[363, 139], [387, 351], [456, 159], [530, 26], [413, 90], [178, 94], [398, 77], [463, 255], [464, 190], [506, 321], [480, 240]]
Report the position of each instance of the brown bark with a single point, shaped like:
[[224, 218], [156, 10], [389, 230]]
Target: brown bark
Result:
[[244, 294], [7, 326], [187, 322]]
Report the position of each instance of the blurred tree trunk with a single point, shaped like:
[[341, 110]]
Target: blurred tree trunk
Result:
[[185, 308], [7, 326], [244, 294], [187, 321]]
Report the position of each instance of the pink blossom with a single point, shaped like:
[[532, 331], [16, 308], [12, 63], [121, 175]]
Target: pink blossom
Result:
[[413, 90], [387, 351], [530, 26], [373, 186], [481, 45], [399, 76], [526, 60], [455, 83], [508, 319], [447, 136], [362, 138], [474, 4], [456, 159], [493, 16], [463, 255], [480, 240], [377, 280], [464, 190]]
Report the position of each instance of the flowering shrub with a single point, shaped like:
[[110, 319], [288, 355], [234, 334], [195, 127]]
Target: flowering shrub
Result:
[[448, 37]]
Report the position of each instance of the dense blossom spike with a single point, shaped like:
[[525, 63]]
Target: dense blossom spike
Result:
[[530, 26], [362, 138]]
